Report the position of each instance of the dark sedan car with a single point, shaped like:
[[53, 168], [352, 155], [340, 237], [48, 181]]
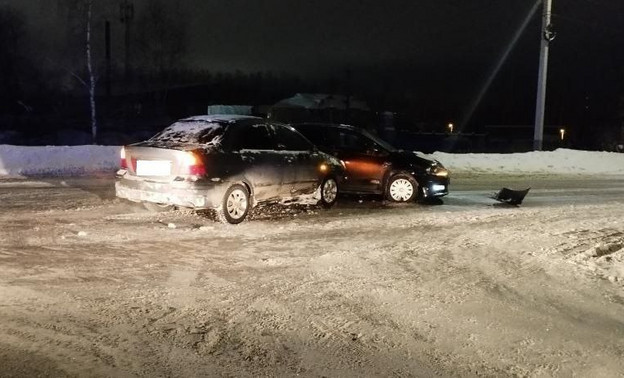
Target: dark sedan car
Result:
[[228, 163], [374, 166]]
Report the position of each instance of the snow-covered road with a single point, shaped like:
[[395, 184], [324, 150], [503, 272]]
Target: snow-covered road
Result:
[[92, 286]]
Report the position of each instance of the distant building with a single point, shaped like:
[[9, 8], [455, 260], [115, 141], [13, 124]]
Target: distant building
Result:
[[230, 109], [320, 107]]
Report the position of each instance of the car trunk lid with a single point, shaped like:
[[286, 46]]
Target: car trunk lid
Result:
[[163, 164]]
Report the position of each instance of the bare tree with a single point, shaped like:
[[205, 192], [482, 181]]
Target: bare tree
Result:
[[84, 9], [69, 39], [91, 73]]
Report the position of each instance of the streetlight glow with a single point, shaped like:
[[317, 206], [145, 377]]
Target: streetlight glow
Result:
[[450, 128]]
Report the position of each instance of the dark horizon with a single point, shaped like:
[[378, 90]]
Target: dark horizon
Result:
[[426, 58]]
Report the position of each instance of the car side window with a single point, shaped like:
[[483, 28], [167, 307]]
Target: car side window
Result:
[[351, 141], [289, 139], [253, 137], [314, 135], [332, 137]]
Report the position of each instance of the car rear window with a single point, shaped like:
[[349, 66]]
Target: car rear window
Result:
[[190, 132]]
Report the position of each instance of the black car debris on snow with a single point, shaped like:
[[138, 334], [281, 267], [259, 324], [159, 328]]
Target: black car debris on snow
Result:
[[228, 163]]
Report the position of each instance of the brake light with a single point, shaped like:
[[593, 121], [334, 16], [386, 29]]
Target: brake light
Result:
[[193, 165], [123, 163]]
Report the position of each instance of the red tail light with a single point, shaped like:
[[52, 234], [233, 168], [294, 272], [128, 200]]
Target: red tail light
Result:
[[193, 165], [123, 163]]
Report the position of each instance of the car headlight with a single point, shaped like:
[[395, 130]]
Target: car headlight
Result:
[[438, 170]]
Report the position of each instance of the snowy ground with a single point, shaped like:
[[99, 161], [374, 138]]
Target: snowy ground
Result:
[[92, 286]]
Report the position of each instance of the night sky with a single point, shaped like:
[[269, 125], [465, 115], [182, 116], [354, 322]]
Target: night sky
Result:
[[321, 36], [434, 51]]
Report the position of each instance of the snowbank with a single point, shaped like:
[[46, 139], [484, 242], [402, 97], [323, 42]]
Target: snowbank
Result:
[[84, 160], [561, 161], [57, 160]]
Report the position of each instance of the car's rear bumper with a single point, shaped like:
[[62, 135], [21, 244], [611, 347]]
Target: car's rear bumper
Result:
[[191, 194]]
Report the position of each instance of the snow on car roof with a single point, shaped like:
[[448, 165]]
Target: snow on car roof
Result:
[[219, 118]]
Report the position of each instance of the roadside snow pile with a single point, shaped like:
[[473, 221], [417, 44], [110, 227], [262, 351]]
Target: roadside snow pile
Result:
[[83, 160], [561, 161], [57, 160]]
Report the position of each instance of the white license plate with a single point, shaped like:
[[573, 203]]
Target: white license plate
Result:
[[153, 168]]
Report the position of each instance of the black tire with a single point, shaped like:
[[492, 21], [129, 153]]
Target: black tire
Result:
[[401, 188], [235, 205], [329, 192], [158, 207]]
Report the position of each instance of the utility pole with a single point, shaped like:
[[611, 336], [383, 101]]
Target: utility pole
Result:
[[547, 36]]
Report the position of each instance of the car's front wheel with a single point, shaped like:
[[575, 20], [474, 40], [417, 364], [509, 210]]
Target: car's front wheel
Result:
[[235, 205], [329, 192], [401, 188]]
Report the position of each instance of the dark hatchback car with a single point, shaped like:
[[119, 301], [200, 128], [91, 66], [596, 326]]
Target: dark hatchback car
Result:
[[375, 167], [228, 163]]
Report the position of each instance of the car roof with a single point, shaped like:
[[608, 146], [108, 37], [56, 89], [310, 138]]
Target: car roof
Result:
[[227, 118]]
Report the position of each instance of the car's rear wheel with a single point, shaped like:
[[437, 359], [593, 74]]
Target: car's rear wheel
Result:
[[401, 188], [158, 207], [329, 192], [235, 205]]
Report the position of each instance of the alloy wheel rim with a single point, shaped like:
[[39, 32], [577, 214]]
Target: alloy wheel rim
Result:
[[401, 190], [237, 204], [330, 190]]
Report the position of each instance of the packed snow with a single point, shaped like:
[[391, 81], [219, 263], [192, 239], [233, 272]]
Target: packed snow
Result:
[[18, 161], [95, 286]]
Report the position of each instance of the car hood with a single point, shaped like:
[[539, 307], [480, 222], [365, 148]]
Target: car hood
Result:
[[411, 158]]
